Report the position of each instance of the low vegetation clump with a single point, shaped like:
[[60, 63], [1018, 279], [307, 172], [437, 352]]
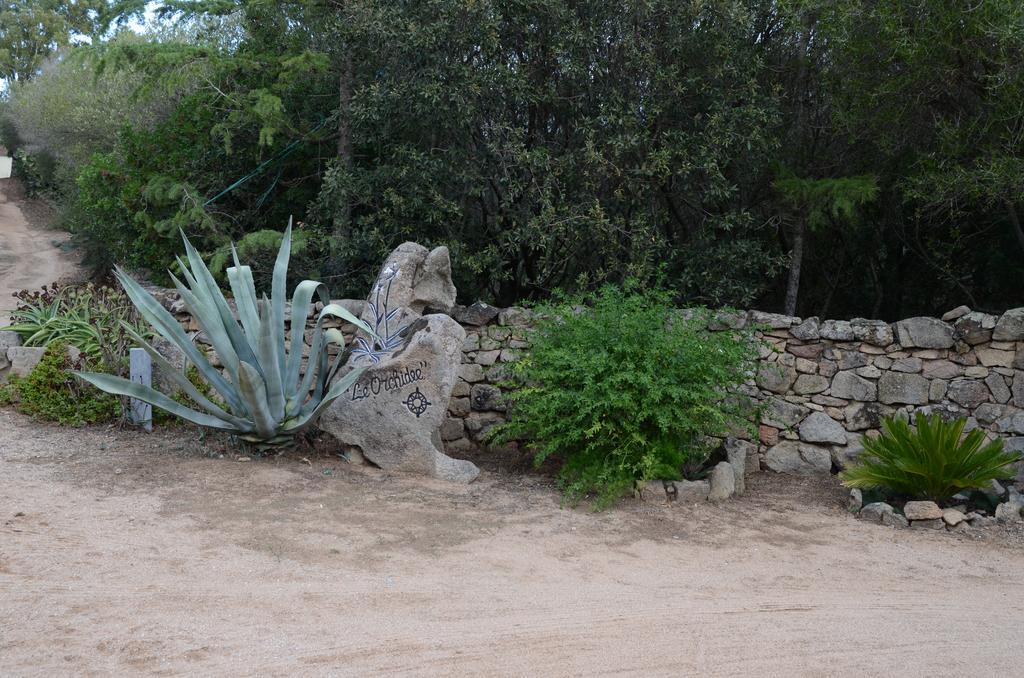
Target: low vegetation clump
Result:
[[95, 319], [933, 460], [51, 391], [623, 388]]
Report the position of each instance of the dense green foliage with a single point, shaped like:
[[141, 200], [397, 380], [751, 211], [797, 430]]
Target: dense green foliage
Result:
[[32, 30], [838, 157], [260, 249], [622, 389], [51, 391], [267, 394], [934, 460], [68, 111], [91, 318]]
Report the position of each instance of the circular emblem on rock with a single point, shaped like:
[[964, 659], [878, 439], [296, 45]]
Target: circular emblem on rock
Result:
[[417, 402]]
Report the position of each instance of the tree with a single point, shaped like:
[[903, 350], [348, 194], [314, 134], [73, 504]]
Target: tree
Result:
[[70, 112], [544, 143], [554, 144], [941, 114], [33, 30], [817, 204]]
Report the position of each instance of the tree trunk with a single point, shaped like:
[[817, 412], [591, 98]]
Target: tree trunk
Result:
[[1015, 220], [797, 254], [343, 216], [796, 260]]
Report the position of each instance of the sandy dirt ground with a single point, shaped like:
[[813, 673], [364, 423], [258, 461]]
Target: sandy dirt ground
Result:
[[127, 554], [30, 256]]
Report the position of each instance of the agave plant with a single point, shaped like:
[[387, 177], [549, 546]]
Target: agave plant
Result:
[[266, 395], [935, 461]]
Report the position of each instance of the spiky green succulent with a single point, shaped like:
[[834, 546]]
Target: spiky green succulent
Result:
[[934, 460], [267, 397]]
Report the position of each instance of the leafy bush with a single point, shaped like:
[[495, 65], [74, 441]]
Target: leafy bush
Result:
[[89, 317], [260, 248], [113, 213], [37, 171], [130, 202], [935, 461], [624, 388], [51, 391], [72, 110]]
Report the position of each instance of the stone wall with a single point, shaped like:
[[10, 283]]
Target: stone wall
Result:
[[825, 384], [822, 384]]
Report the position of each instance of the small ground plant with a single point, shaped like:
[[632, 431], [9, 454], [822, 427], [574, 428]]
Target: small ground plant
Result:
[[934, 460], [90, 317], [51, 392], [623, 388]]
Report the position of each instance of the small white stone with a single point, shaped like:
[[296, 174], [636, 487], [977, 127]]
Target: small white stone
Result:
[[952, 517]]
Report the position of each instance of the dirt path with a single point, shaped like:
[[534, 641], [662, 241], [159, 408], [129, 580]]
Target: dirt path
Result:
[[28, 257], [123, 554]]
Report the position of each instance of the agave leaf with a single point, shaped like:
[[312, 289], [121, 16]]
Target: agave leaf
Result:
[[317, 349], [254, 391], [307, 417], [182, 382], [278, 291], [334, 336], [119, 386], [244, 289], [166, 325], [268, 355], [210, 291], [301, 299], [209, 321]]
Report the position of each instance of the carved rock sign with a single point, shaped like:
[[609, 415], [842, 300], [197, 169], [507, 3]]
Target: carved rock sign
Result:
[[393, 414]]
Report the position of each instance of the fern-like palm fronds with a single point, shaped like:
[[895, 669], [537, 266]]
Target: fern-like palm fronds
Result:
[[935, 461]]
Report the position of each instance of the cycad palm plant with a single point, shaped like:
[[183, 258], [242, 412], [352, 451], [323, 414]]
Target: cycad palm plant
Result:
[[266, 395], [935, 461]]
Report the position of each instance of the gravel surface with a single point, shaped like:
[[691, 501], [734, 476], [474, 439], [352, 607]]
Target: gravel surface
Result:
[[130, 554], [30, 254]]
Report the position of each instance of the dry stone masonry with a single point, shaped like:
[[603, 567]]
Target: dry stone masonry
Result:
[[927, 515], [827, 384], [822, 384], [18, 360]]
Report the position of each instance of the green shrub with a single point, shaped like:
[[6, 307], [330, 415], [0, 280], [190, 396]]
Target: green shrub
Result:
[[110, 218], [51, 392], [37, 171], [624, 388], [935, 461], [260, 248]]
